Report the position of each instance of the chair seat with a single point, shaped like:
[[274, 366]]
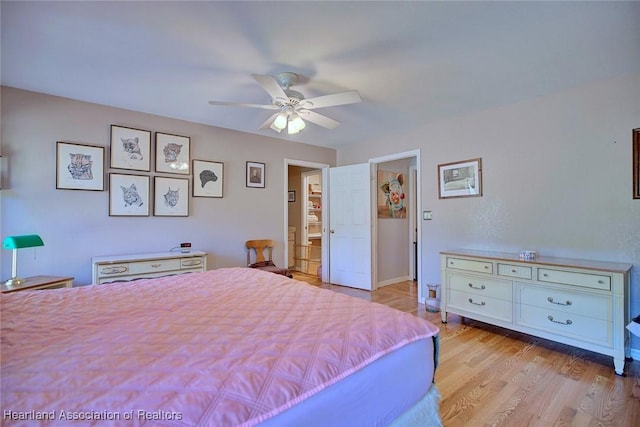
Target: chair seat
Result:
[[272, 268]]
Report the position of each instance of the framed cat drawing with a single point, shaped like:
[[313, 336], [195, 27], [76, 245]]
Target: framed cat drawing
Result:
[[171, 196], [172, 153], [79, 167], [128, 195], [130, 148]]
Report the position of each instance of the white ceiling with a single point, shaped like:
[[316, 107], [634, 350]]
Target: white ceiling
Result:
[[412, 62]]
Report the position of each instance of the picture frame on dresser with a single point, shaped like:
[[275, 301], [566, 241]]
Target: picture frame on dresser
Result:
[[460, 179], [173, 153], [130, 148], [128, 195], [171, 196], [636, 163], [208, 178], [79, 166]]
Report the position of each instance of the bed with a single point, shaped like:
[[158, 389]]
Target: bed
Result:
[[226, 347]]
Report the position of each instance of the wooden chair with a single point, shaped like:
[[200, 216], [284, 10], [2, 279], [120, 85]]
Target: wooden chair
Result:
[[258, 247]]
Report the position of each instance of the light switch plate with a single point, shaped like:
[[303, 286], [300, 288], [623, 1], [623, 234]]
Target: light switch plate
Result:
[[427, 215]]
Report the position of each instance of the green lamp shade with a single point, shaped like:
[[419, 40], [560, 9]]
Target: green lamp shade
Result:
[[19, 242]]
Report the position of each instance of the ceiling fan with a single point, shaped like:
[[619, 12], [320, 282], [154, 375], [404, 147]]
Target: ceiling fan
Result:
[[292, 107]]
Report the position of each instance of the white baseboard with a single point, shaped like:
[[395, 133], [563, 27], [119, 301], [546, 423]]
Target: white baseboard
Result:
[[635, 353], [392, 281]]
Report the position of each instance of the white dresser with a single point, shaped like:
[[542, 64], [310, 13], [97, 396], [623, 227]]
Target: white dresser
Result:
[[576, 302], [120, 268]]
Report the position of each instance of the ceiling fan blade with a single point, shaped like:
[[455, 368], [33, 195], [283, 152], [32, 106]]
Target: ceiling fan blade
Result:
[[267, 123], [271, 85], [319, 119], [342, 98], [240, 104]]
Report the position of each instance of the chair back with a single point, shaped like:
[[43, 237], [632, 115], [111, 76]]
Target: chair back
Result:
[[259, 247]]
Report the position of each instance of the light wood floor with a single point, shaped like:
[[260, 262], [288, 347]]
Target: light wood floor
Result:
[[489, 376]]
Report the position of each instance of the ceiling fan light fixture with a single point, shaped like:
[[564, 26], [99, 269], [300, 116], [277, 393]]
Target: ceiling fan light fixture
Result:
[[296, 125], [280, 122]]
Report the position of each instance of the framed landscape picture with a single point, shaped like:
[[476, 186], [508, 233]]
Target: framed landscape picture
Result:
[[79, 167], [460, 179], [130, 148]]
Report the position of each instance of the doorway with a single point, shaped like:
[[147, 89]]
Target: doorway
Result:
[[305, 218]]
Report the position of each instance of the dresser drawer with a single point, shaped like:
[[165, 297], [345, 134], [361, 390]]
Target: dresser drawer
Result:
[[470, 265], [510, 270], [588, 305], [113, 270], [585, 280], [154, 266], [484, 286], [484, 305], [191, 262], [569, 325]]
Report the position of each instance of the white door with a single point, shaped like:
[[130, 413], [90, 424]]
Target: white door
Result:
[[350, 226]]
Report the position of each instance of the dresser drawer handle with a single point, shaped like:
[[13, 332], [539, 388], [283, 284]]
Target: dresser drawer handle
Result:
[[156, 265], [477, 303], [113, 270], [481, 287], [545, 275], [568, 322], [558, 303], [192, 262], [514, 270], [601, 281]]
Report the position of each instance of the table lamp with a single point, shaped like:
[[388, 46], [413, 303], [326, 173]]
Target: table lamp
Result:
[[15, 243]]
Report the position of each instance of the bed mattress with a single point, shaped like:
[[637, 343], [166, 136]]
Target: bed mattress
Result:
[[225, 347]]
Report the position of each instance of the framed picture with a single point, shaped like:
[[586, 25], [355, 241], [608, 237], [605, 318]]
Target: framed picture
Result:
[[636, 163], [128, 195], [460, 179], [291, 196], [391, 199], [255, 175], [79, 167], [208, 178], [130, 148], [171, 196], [172, 153]]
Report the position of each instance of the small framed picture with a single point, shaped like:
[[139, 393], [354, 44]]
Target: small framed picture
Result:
[[79, 167], [128, 195], [460, 179], [130, 148], [208, 178], [636, 163], [172, 153], [255, 175], [291, 196], [171, 196]]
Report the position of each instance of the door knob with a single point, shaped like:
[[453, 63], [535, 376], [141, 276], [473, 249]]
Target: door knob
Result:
[[332, 231]]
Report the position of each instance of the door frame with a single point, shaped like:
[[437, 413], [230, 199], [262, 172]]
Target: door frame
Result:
[[324, 170], [418, 204]]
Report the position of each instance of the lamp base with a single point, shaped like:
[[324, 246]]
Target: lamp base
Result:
[[14, 281]]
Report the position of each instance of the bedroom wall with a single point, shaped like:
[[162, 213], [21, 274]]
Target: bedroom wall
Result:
[[75, 225], [556, 178]]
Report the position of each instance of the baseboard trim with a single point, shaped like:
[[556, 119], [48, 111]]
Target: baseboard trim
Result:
[[635, 353], [395, 280]]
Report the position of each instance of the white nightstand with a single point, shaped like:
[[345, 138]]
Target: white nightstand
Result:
[[39, 282]]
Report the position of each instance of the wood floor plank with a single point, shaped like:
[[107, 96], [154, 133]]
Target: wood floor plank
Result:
[[490, 376]]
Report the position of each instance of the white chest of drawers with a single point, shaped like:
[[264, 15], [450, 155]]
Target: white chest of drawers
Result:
[[120, 268], [575, 302]]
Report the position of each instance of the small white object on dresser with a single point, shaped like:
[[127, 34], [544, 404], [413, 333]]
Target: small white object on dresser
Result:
[[576, 302], [121, 268]]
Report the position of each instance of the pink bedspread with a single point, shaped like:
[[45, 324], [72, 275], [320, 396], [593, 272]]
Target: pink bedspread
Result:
[[226, 347]]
